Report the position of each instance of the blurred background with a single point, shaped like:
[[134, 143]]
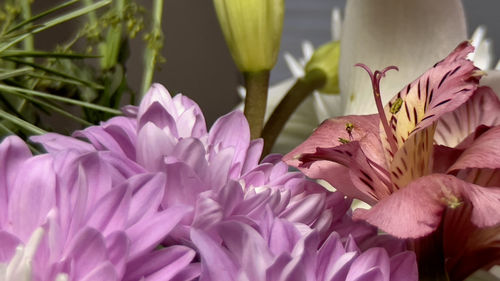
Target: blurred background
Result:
[[199, 65]]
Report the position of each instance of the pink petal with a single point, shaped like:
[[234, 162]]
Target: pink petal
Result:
[[329, 133], [152, 145], [416, 210], [481, 109], [148, 193], [483, 153]]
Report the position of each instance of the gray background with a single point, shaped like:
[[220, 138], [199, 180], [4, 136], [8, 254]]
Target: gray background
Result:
[[199, 64]]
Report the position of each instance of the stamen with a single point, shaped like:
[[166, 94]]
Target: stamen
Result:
[[375, 78]]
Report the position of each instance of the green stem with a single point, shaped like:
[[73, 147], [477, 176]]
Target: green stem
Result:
[[152, 48], [256, 84], [430, 256], [110, 49], [313, 80], [28, 43]]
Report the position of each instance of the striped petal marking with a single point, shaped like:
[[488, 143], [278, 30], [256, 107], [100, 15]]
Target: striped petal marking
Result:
[[413, 113]]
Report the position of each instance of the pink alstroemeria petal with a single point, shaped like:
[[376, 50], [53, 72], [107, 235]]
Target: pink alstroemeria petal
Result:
[[413, 112], [420, 206], [481, 109], [482, 153]]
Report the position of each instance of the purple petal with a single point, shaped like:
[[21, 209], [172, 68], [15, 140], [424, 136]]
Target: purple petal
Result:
[[374, 259], [8, 245], [103, 272], [216, 264], [86, 252], [147, 234], [148, 192], [53, 142], [117, 245], [404, 267], [33, 195], [160, 265], [231, 131], [152, 145], [13, 153]]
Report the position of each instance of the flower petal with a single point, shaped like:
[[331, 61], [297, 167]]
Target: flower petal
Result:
[[412, 35], [420, 205], [481, 109]]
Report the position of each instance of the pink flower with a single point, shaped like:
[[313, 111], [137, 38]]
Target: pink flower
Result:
[[413, 184]]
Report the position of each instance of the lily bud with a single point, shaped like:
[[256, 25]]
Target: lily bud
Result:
[[252, 29], [326, 59]]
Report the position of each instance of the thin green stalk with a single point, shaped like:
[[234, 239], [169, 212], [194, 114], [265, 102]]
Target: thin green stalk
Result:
[[10, 89], [302, 88], [28, 43], [110, 49], [152, 47], [14, 73], [256, 84], [21, 123], [54, 108], [54, 22]]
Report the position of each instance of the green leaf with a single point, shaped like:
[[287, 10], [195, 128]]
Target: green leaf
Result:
[[56, 21], [10, 89], [16, 72], [61, 74], [41, 15], [21, 123], [41, 54]]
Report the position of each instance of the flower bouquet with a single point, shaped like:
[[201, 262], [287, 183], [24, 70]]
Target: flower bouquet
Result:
[[399, 181]]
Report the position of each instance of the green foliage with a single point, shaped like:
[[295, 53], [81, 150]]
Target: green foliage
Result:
[[82, 80]]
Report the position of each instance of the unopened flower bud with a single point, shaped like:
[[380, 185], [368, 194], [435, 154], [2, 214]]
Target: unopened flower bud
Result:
[[252, 29], [326, 59]]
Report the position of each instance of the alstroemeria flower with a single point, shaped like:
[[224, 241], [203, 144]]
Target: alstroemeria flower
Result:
[[376, 37], [63, 217], [390, 164]]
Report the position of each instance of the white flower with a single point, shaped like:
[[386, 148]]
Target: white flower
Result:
[[412, 35]]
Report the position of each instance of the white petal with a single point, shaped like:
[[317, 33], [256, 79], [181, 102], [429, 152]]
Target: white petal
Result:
[[307, 50], [492, 80], [411, 34], [483, 57], [296, 68], [336, 24]]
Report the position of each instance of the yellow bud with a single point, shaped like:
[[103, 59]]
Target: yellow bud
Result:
[[326, 59], [252, 29]]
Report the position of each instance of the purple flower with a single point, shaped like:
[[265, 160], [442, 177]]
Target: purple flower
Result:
[[217, 173], [68, 216], [293, 252]]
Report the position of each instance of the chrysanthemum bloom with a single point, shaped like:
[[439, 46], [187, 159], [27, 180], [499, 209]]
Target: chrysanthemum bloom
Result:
[[389, 159], [217, 172], [68, 216], [236, 251]]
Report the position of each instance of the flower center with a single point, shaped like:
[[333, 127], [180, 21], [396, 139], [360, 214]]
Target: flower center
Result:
[[375, 79]]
